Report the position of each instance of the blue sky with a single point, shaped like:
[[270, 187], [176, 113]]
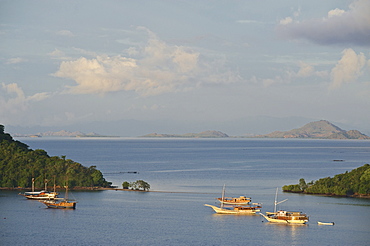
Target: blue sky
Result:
[[176, 63]]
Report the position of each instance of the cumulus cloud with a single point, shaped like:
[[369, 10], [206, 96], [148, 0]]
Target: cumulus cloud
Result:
[[348, 68], [154, 69], [15, 60], [66, 33], [14, 100], [339, 27]]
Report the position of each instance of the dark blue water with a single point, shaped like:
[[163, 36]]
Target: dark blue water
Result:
[[192, 172]]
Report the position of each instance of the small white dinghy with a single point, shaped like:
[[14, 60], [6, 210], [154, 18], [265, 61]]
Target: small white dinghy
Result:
[[325, 223]]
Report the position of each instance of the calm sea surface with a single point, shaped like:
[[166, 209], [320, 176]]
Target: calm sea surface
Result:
[[190, 173]]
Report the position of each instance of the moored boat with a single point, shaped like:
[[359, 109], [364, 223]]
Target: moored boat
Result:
[[239, 210], [325, 223], [61, 203], [242, 200], [239, 206], [283, 216], [40, 195]]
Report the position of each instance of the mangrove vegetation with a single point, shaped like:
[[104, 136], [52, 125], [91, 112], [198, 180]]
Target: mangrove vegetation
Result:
[[354, 183]]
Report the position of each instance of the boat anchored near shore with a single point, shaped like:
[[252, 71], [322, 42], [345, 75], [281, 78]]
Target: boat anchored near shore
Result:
[[61, 203], [283, 216], [239, 206]]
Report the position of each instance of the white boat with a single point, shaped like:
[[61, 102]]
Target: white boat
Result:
[[283, 216], [325, 223], [40, 195], [239, 210], [238, 206]]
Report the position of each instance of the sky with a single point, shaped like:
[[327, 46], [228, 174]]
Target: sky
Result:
[[182, 66]]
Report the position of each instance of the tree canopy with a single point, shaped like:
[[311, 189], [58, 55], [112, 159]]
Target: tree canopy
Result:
[[19, 164], [355, 182], [136, 185]]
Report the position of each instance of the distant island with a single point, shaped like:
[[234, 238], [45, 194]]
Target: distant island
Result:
[[316, 130], [355, 183], [205, 134], [319, 129], [62, 133]]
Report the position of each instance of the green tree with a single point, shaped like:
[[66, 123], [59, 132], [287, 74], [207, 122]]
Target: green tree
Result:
[[125, 185], [143, 185], [302, 184]]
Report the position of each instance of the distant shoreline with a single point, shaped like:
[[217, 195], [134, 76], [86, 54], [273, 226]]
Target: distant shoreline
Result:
[[331, 195], [104, 189]]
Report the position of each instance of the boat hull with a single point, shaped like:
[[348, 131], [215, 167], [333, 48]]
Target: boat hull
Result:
[[292, 220], [236, 210], [325, 223], [61, 205], [40, 195]]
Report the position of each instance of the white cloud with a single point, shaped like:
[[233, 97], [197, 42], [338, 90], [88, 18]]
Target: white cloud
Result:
[[340, 27], [15, 60], [286, 21], [348, 68], [12, 105], [305, 70], [154, 69], [66, 33], [335, 12]]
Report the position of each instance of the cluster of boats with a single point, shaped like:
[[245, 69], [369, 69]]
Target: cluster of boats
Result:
[[243, 206], [50, 199]]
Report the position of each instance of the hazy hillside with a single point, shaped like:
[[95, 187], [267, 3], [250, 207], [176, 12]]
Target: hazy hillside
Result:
[[317, 129], [205, 134]]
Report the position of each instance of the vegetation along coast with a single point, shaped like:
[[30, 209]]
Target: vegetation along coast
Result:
[[19, 165]]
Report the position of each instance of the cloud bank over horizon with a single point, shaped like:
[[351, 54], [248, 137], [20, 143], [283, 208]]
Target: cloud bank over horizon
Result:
[[347, 27], [229, 62]]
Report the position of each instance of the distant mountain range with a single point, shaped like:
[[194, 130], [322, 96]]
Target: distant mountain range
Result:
[[205, 134], [318, 129], [61, 133]]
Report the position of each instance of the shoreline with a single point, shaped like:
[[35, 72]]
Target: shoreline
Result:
[[118, 189], [104, 189], [330, 195]]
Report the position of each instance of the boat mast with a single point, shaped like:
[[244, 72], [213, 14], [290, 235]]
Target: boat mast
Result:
[[276, 202], [46, 184], [33, 184], [223, 196], [54, 184]]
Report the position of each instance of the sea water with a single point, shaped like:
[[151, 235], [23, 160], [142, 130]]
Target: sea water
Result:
[[189, 173]]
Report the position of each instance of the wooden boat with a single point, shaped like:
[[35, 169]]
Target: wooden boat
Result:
[[325, 223], [239, 210], [239, 206], [242, 200], [283, 216], [61, 203], [40, 195]]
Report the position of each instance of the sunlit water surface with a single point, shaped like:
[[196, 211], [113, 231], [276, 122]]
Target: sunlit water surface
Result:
[[190, 173]]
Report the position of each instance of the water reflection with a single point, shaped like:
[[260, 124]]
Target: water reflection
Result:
[[288, 232]]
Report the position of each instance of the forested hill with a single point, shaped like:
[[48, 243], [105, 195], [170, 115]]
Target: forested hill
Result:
[[19, 164], [354, 183]]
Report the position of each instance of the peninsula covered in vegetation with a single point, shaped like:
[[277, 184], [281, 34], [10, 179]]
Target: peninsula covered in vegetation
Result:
[[355, 183], [19, 164]]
